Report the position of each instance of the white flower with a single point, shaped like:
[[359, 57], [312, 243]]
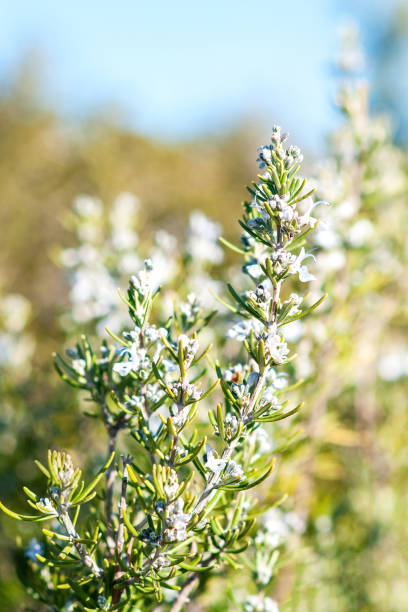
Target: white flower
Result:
[[278, 526], [275, 346], [254, 270], [233, 373], [165, 241], [269, 397], [295, 153], [305, 276], [212, 462], [154, 392], [265, 155], [243, 328], [260, 603], [261, 295], [141, 281], [260, 438], [348, 208], [297, 268], [69, 258], [264, 573], [393, 365], [275, 522], [186, 391], [179, 415], [268, 539], [295, 522], [270, 605], [191, 308], [161, 561], [234, 470], [190, 347], [217, 465], [360, 232], [123, 368], [276, 137], [240, 391], [202, 239], [172, 485], [177, 521], [46, 504], [288, 213], [86, 206], [169, 366], [296, 301], [139, 360], [153, 334], [79, 366], [278, 380], [231, 423], [14, 310], [124, 207], [164, 268], [91, 292], [124, 239], [307, 219], [259, 206]]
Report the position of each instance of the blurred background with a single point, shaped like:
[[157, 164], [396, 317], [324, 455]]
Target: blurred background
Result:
[[169, 101]]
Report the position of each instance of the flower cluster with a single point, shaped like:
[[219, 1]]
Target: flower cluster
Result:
[[110, 250]]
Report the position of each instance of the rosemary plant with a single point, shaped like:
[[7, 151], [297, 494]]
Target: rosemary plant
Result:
[[152, 525]]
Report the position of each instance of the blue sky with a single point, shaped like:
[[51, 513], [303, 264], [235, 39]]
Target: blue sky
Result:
[[181, 68]]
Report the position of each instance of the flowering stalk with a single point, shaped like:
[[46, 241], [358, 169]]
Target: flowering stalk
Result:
[[181, 510]]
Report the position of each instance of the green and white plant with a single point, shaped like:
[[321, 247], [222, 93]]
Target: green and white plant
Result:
[[171, 509]]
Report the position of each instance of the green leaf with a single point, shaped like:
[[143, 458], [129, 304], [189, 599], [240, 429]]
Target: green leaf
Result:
[[25, 517], [254, 234], [30, 494], [303, 313], [85, 494], [129, 524], [224, 303], [193, 453], [278, 416], [115, 337], [240, 549], [53, 534], [231, 246], [180, 359], [220, 421], [244, 304], [203, 354], [243, 486], [210, 390], [195, 568], [303, 197], [42, 468]]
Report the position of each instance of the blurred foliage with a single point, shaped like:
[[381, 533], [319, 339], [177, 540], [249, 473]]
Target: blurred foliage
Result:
[[350, 473]]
